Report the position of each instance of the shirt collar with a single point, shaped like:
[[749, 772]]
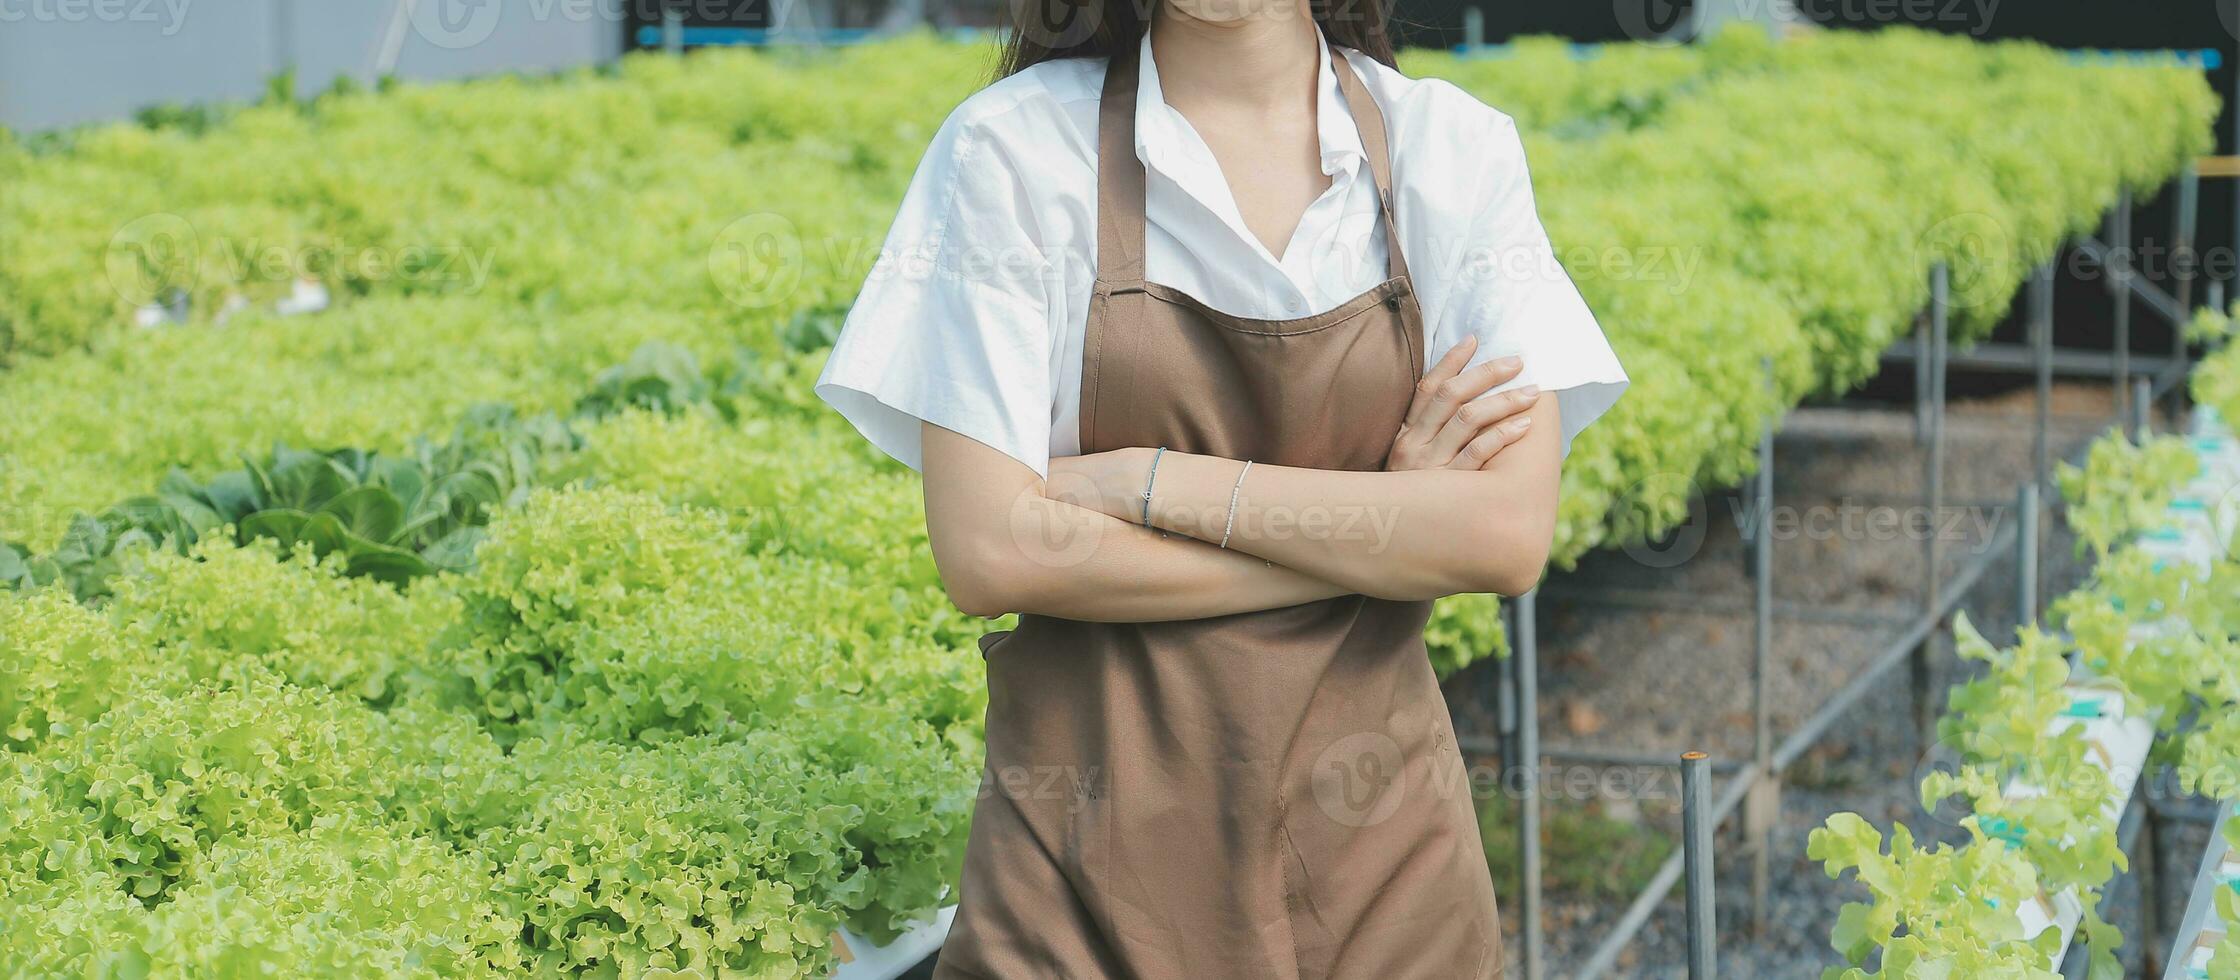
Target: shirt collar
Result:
[[1163, 140]]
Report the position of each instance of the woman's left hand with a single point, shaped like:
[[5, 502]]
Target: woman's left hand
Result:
[[1453, 424], [1110, 482]]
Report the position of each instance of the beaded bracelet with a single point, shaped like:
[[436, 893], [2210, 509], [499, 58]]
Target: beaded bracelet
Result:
[[1148, 482], [1233, 492]]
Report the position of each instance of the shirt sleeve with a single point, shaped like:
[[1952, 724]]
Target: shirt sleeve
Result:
[[1511, 293], [954, 324]]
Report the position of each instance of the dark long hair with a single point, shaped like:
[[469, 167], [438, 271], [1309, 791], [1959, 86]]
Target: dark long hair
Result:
[[1047, 30]]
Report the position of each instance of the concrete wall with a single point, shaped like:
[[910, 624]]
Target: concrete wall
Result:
[[64, 62]]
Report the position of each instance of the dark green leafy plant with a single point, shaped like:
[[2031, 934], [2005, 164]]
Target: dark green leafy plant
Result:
[[391, 517], [658, 377]]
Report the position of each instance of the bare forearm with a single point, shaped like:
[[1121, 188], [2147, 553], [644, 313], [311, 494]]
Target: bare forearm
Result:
[[1079, 564], [1411, 535], [1398, 535], [1005, 543]]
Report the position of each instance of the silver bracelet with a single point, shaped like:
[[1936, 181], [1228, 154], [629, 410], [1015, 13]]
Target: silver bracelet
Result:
[[1233, 492], [1147, 483]]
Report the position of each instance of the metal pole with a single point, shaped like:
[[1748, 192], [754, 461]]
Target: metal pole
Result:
[[2182, 268], [1505, 697], [1940, 281], [1858, 684], [1920, 380], [2142, 410], [1696, 824], [2041, 344], [284, 39], [1473, 28], [2119, 271], [1764, 804], [1526, 644], [2026, 554], [2150, 891], [672, 29]]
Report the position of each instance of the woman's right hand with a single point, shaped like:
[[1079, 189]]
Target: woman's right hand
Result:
[[1449, 426]]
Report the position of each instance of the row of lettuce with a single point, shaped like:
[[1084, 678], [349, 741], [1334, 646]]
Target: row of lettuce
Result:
[[320, 660], [657, 724], [2038, 794], [1712, 210]]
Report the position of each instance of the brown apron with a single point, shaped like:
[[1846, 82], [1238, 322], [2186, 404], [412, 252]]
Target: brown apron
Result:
[[1269, 795]]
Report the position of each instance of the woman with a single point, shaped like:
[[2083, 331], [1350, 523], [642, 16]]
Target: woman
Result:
[[1147, 324]]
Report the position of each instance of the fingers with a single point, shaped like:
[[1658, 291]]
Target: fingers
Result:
[[1472, 420], [1440, 373], [1490, 443], [1442, 401]]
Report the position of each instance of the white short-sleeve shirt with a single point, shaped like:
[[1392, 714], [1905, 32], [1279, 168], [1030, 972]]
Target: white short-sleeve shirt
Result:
[[974, 313]]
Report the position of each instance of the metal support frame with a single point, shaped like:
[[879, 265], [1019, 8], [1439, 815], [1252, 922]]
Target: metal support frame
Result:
[[2130, 830], [1992, 357], [1914, 642], [1505, 706], [1603, 961], [2201, 904], [1932, 476], [2150, 296], [1764, 808], [672, 29], [1695, 846], [2026, 510], [1703, 603], [1639, 760], [1922, 355], [2041, 345], [2118, 265], [2140, 424], [2149, 849], [2184, 266], [1915, 633], [1524, 645]]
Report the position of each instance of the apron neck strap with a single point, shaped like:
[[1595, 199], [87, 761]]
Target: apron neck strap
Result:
[[1368, 118], [1120, 173]]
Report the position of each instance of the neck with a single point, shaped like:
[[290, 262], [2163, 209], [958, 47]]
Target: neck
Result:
[[1266, 58]]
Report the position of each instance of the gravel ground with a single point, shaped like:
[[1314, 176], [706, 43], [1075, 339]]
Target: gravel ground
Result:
[[1657, 681]]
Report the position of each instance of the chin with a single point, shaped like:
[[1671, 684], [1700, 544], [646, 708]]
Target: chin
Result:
[[1222, 11]]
